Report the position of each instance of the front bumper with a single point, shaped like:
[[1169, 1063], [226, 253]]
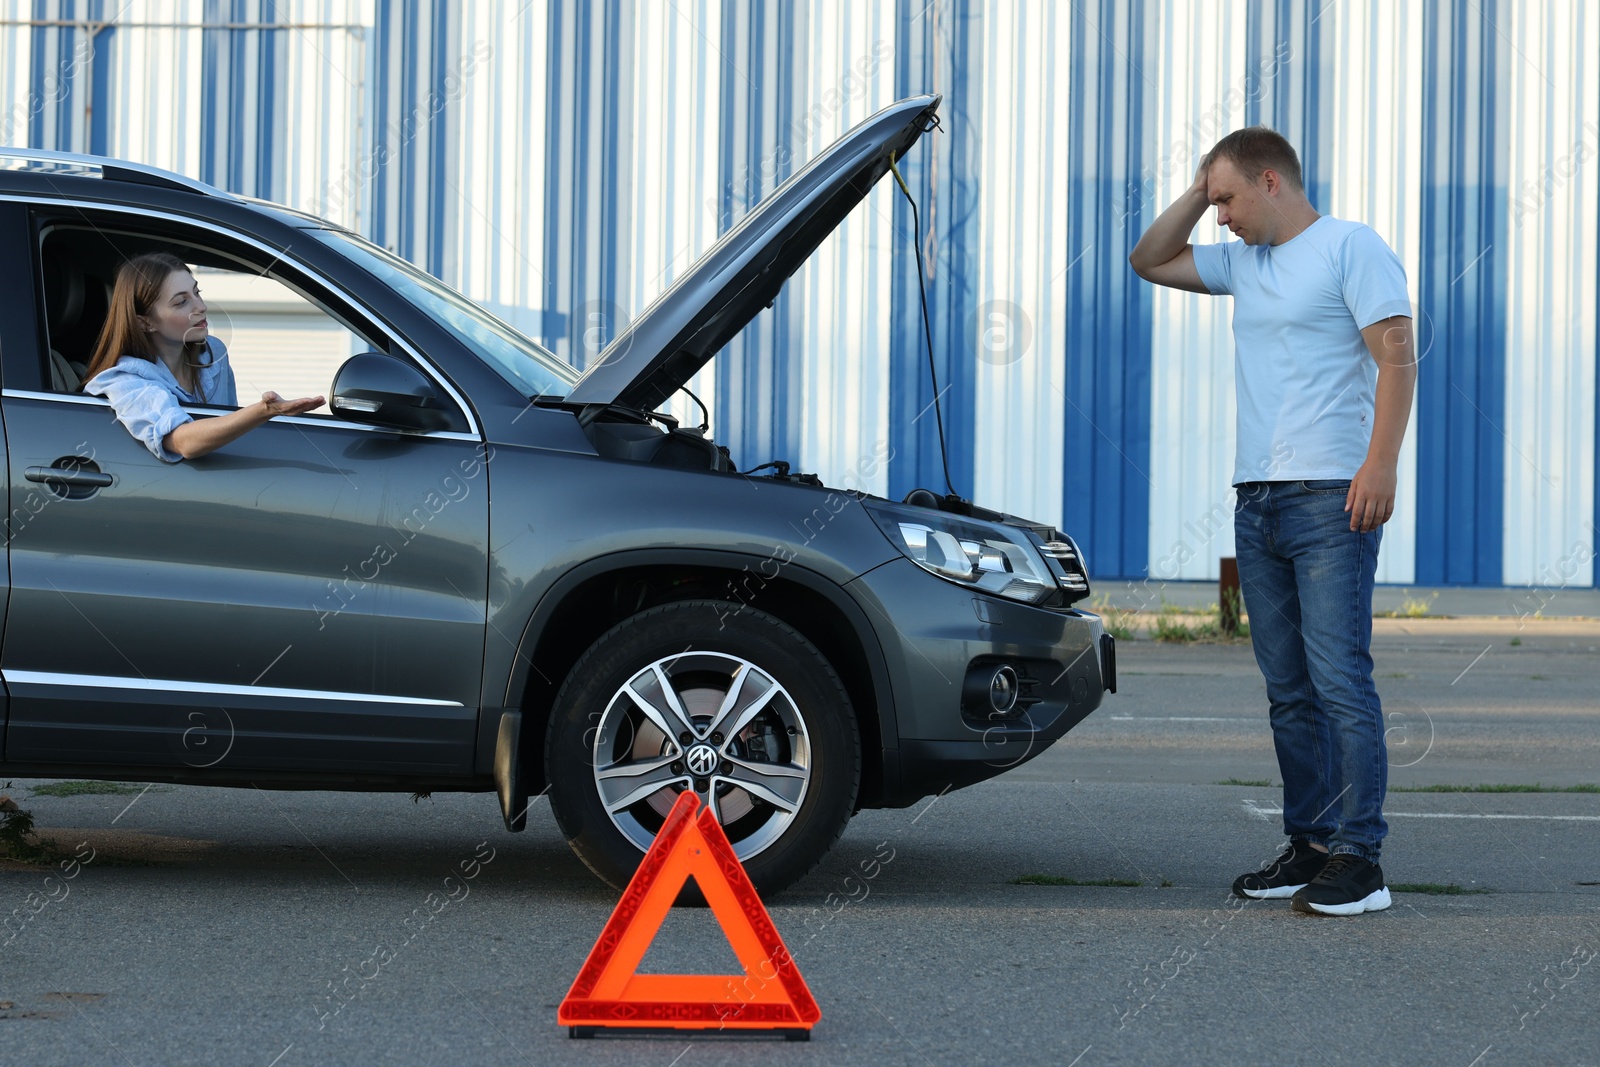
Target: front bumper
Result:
[[937, 639]]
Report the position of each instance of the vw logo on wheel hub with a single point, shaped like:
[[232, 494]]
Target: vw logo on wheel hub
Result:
[[702, 760]]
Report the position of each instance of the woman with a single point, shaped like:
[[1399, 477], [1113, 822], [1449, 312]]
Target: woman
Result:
[[155, 354]]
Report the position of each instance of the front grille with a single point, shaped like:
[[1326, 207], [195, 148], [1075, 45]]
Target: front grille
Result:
[[1073, 576]]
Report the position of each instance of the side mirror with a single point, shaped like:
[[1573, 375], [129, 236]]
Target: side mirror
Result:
[[382, 391]]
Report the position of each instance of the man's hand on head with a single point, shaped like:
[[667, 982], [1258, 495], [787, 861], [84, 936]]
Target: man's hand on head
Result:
[[1199, 184], [1163, 254], [1370, 500]]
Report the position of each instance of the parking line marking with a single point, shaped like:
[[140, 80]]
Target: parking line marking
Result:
[[1454, 815], [1262, 813], [1179, 718]]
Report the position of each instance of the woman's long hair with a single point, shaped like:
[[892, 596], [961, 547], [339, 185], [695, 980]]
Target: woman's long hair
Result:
[[138, 287]]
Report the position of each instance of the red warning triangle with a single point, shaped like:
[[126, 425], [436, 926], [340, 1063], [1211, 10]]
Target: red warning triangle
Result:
[[609, 991]]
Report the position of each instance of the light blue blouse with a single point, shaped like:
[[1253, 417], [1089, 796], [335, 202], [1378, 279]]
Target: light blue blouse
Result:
[[146, 397]]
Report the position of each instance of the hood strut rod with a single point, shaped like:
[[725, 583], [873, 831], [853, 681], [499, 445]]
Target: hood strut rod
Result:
[[927, 329]]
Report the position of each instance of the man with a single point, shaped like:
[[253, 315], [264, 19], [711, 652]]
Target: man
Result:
[[1325, 371]]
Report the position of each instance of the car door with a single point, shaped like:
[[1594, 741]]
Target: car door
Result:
[[309, 598]]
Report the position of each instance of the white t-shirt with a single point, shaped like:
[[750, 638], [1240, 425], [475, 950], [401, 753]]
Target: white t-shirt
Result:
[[1303, 375]]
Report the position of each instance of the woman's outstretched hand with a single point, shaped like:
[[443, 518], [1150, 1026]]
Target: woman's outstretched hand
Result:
[[277, 405], [199, 437]]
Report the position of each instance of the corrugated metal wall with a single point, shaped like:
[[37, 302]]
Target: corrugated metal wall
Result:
[[563, 161], [844, 398], [1553, 183], [1021, 322], [1110, 106]]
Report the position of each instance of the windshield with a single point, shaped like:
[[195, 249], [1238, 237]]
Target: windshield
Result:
[[530, 368]]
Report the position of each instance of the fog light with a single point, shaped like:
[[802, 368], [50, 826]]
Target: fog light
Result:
[[1003, 688], [996, 690]]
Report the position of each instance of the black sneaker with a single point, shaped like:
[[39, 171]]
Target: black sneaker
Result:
[[1346, 885], [1284, 876]]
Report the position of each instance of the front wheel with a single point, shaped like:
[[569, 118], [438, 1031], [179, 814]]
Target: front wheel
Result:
[[734, 704]]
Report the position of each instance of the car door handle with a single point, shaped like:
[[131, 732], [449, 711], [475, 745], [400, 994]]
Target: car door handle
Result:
[[68, 476]]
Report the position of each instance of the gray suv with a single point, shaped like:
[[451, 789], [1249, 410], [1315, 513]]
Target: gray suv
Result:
[[478, 571]]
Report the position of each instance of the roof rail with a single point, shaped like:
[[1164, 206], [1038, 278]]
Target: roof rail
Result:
[[109, 169]]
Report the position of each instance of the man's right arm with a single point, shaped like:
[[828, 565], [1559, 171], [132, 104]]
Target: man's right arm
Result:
[[1164, 255]]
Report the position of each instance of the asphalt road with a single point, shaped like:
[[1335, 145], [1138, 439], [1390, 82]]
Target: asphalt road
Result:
[[213, 925], [1466, 701]]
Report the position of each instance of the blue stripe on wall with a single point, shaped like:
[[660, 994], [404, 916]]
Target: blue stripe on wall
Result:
[[378, 147], [616, 207], [104, 44], [58, 79], [242, 122], [416, 73], [262, 101], [395, 129], [569, 123], [241, 139], [38, 42], [943, 41], [1284, 39], [588, 167], [404, 57], [1106, 490], [69, 108], [445, 38], [759, 384], [212, 42], [1461, 379], [235, 140], [558, 106]]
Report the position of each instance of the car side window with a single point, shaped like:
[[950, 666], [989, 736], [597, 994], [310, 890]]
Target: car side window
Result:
[[277, 337]]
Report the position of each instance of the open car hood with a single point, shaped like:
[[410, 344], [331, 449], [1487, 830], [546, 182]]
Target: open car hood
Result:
[[741, 274]]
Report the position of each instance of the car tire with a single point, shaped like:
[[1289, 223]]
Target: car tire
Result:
[[780, 759]]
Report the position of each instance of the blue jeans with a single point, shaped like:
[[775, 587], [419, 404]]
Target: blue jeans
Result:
[[1307, 583]]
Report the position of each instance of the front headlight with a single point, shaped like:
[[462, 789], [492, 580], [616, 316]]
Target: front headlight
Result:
[[986, 556]]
